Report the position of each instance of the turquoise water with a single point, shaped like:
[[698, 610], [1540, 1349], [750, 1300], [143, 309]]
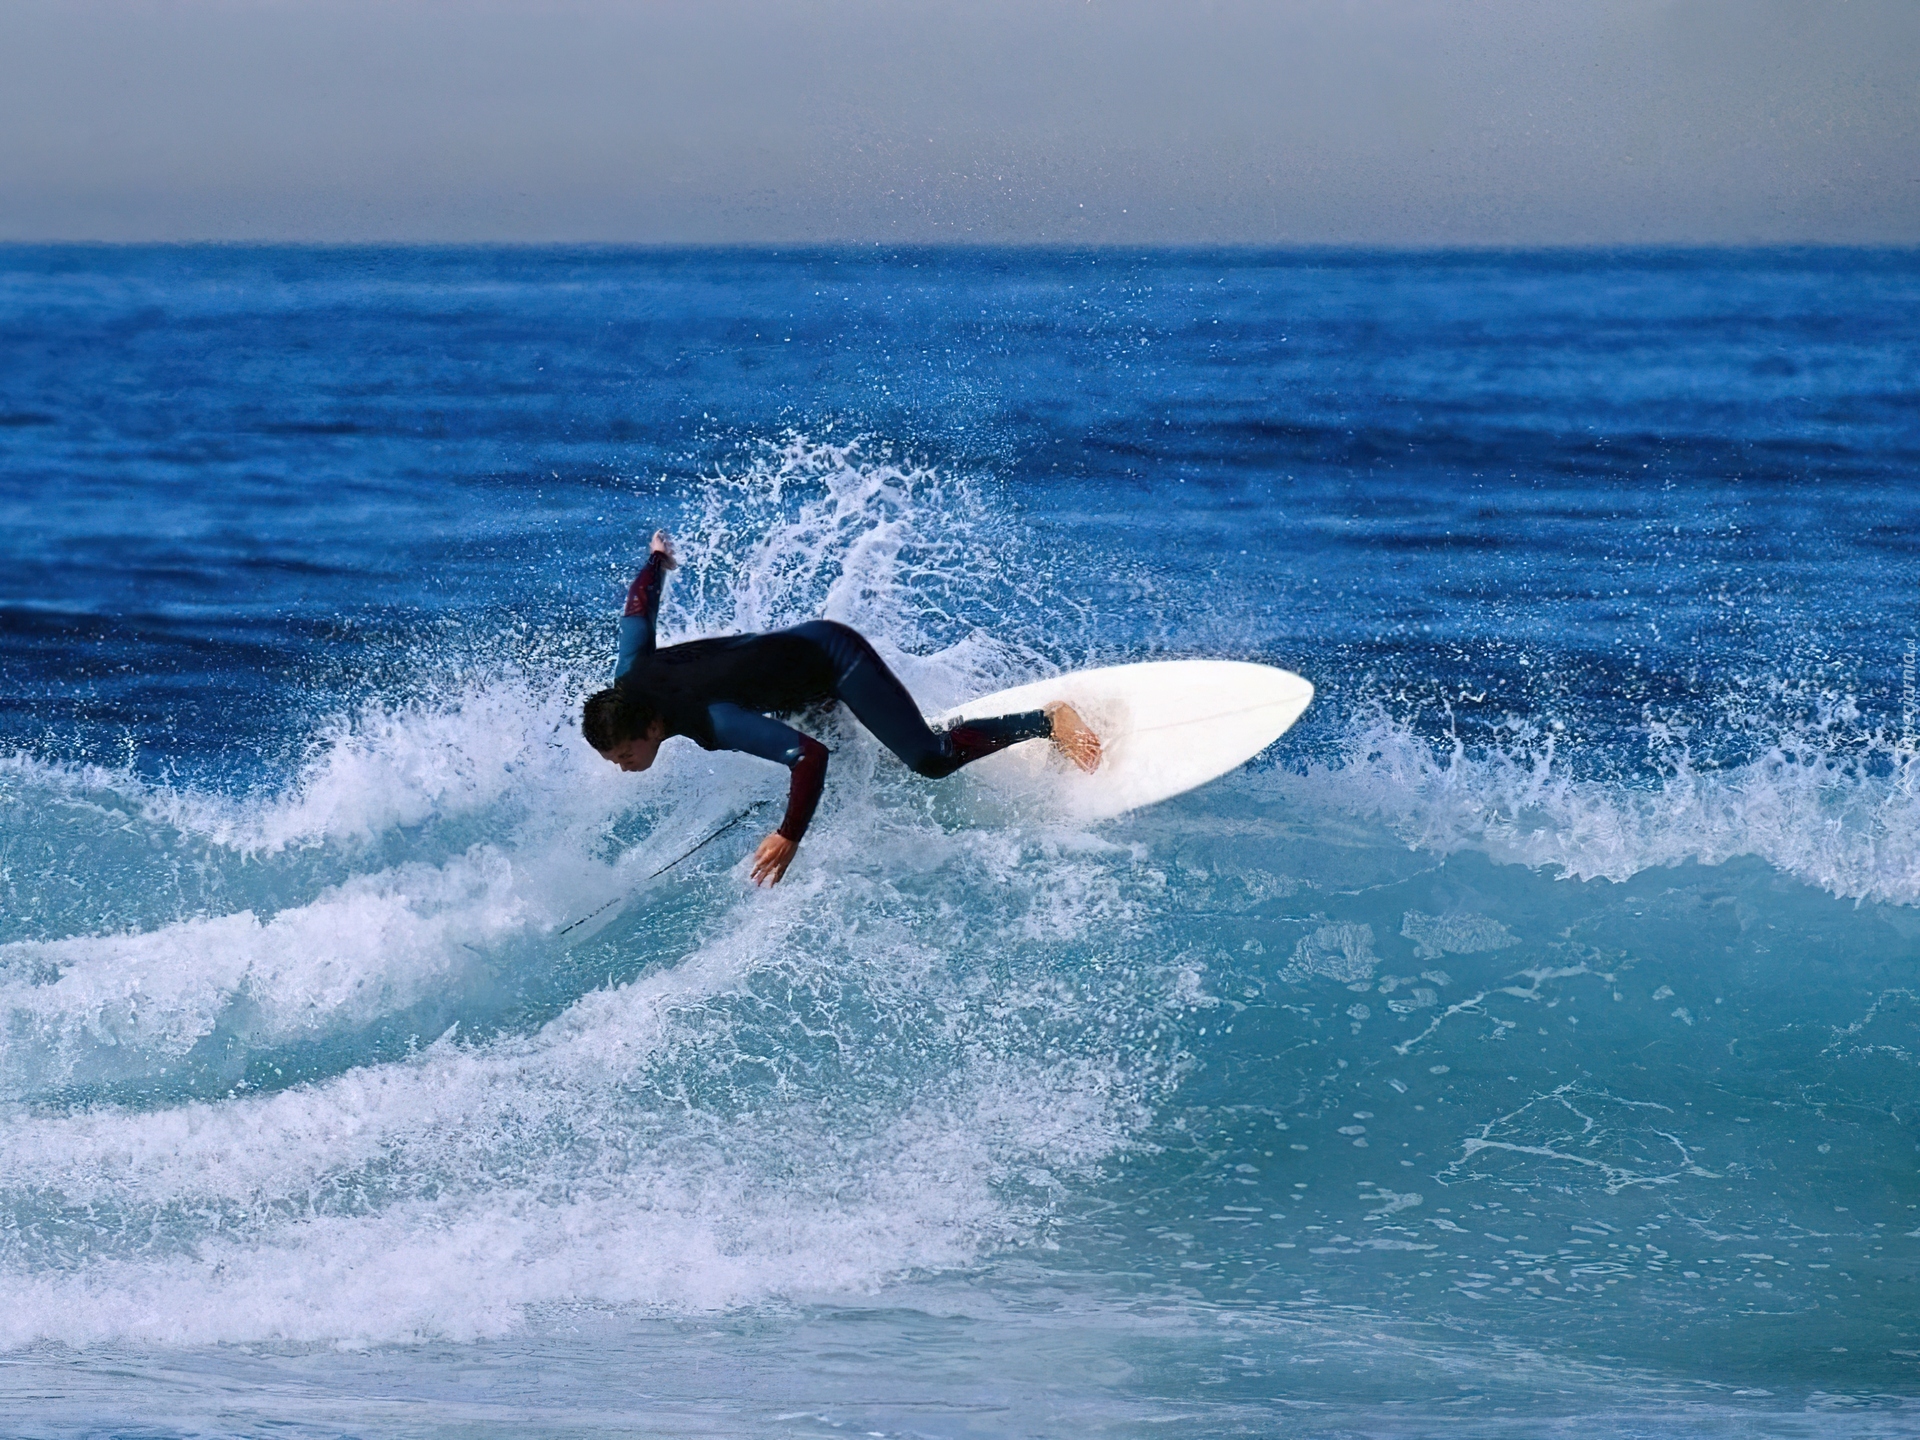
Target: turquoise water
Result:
[[1524, 1045]]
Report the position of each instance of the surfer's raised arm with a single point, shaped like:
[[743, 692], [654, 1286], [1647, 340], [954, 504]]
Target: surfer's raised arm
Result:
[[643, 603]]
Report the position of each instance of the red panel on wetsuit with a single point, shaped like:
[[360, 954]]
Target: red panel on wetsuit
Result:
[[803, 794], [643, 596]]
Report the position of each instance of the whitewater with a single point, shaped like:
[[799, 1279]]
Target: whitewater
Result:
[[1526, 1043]]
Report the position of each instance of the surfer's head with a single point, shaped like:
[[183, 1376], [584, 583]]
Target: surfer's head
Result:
[[623, 728]]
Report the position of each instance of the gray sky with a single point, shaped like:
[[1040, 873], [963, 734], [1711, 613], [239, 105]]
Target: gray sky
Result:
[[1386, 122]]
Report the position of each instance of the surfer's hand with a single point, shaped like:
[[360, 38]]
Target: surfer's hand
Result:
[[663, 545], [770, 861]]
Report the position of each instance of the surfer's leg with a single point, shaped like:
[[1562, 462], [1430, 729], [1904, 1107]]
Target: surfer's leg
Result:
[[864, 684]]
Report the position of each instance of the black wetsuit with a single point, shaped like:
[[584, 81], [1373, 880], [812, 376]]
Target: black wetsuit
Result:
[[718, 694]]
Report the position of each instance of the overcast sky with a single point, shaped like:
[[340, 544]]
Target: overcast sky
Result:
[[1396, 122]]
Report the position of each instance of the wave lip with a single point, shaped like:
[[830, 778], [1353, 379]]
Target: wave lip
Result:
[[782, 1094], [365, 948], [1843, 819], [445, 1196], [388, 767]]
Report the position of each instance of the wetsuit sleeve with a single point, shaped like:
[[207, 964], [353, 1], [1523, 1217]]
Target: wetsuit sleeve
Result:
[[643, 604], [749, 731]]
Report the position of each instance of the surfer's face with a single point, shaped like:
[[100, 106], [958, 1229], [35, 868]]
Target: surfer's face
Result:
[[638, 754]]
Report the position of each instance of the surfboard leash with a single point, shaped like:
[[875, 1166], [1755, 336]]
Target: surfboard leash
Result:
[[711, 837], [699, 845]]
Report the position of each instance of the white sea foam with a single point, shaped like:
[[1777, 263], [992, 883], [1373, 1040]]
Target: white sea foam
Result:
[[1460, 933], [627, 1154], [326, 948], [388, 767], [663, 1218], [1340, 952], [892, 1063], [366, 947], [1813, 809], [809, 1098]]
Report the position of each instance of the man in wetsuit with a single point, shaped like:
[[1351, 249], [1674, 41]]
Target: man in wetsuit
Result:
[[718, 694]]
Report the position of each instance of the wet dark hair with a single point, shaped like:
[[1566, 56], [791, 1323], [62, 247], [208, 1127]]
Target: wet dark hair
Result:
[[610, 718]]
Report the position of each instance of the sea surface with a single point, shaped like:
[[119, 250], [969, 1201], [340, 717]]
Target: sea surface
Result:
[[1527, 1044]]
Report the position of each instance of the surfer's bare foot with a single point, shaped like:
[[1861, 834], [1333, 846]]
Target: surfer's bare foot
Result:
[[1074, 737]]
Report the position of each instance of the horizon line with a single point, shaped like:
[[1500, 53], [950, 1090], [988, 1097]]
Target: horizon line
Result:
[[1298, 247]]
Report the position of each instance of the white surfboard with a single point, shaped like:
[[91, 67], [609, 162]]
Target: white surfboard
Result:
[[1165, 727]]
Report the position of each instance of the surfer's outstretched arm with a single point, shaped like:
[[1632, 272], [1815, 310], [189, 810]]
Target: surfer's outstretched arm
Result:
[[643, 604], [752, 733]]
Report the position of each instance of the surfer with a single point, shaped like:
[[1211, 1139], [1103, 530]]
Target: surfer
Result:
[[718, 694]]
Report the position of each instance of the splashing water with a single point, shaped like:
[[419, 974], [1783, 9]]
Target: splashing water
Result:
[[1840, 815], [382, 1079], [1552, 1050]]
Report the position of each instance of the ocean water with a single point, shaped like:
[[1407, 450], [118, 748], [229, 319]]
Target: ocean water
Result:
[[1527, 1044]]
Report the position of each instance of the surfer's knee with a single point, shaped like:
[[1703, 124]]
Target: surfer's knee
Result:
[[935, 765]]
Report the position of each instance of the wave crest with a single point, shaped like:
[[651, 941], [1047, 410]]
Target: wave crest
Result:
[[1842, 816]]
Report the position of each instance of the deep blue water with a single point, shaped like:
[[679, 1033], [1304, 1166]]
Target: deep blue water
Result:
[[1526, 1044]]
